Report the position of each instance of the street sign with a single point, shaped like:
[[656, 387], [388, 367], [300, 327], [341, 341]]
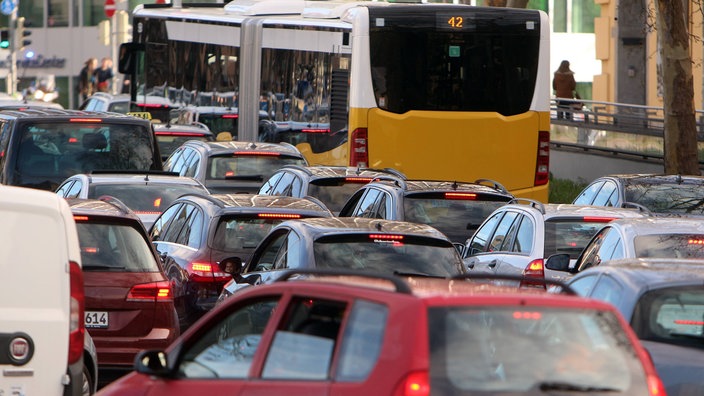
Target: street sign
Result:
[[8, 6], [109, 8]]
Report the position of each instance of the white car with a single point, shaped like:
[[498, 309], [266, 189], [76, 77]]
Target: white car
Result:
[[518, 239], [41, 298]]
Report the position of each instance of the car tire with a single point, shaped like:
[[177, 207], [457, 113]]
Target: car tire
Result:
[[88, 382]]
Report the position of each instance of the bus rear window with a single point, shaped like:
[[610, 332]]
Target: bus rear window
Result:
[[489, 62]]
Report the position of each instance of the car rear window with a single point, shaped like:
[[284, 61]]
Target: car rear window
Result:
[[397, 254], [570, 235], [456, 216], [684, 198], [145, 198], [674, 315], [530, 350], [334, 192], [170, 140], [248, 167], [114, 247], [670, 246], [235, 233], [50, 152]]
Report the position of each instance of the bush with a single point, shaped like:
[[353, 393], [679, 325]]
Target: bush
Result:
[[565, 190]]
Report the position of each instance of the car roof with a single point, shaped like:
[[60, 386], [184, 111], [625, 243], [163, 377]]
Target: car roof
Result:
[[654, 178], [653, 272], [318, 227], [198, 128], [51, 113], [549, 211], [134, 177], [107, 207], [325, 171], [252, 203], [221, 147], [660, 225], [418, 186]]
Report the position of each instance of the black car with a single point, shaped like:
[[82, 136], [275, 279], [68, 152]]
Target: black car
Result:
[[374, 245], [42, 147], [198, 231], [232, 166], [454, 208], [331, 184], [658, 193]]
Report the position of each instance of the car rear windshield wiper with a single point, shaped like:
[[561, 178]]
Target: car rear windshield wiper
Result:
[[245, 177], [569, 387], [406, 273]]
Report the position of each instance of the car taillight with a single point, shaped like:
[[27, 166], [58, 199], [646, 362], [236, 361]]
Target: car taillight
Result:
[[534, 269], [454, 195], [359, 155], [595, 219], [85, 120], [279, 216], [542, 163], [76, 325], [363, 180], [205, 273], [655, 386], [151, 292], [386, 237], [416, 383], [269, 153]]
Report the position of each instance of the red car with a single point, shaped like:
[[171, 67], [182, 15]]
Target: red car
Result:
[[129, 302], [344, 335]]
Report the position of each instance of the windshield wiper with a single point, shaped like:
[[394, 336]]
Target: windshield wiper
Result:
[[569, 387], [408, 273]]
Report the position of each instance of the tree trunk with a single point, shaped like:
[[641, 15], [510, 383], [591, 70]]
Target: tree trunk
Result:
[[680, 129], [495, 3]]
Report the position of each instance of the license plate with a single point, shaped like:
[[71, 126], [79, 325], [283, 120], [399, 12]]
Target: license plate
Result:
[[96, 319]]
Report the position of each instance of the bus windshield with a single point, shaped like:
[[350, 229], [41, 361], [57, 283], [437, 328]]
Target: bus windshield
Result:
[[453, 60]]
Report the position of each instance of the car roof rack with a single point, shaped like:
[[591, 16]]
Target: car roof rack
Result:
[[115, 202], [526, 201], [633, 205], [564, 288], [495, 185], [400, 285], [317, 202], [207, 197]]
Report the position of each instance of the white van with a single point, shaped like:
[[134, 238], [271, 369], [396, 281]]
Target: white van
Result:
[[41, 295]]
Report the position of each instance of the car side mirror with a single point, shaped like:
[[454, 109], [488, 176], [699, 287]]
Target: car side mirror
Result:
[[151, 362], [558, 262], [231, 265], [460, 248]]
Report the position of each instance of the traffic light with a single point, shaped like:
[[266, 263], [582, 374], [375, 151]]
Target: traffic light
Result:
[[20, 33], [4, 38], [104, 32]]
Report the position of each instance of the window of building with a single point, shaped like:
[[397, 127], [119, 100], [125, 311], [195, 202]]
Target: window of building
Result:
[[93, 12], [573, 16], [33, 11], [58, 13]]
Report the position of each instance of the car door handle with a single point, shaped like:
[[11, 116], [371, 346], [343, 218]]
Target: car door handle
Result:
[[492, 264]]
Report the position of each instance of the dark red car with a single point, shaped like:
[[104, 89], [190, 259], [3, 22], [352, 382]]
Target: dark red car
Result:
[[129, 302], [347, 336]]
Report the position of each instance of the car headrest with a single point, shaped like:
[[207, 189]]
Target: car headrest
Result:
[[94, 141]]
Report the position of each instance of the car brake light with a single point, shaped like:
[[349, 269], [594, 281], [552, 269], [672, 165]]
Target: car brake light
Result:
[[359, 156], [157, 202], [269, 153], [229, 173], [85, 120], [358, 179], [386, 237], [204, 272], [72, 140], [151, 105], [151, 292], [279, 216], [76, 325], [416, 383], [312, 130], [230, 116], [655, 386], [184, 134], [454, 195], [527, 315], [80, 218], [696, 241], [689, 322], [542, 163], [147, 212], [595, 219], [536, 270]]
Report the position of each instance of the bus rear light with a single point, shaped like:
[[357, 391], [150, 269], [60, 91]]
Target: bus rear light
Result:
[[359, 156], [77, 303], [542, 163], [466, 196], [279, 216], [536, 270], [416, 383], [151, 292]]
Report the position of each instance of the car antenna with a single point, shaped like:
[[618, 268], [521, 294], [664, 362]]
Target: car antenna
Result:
[[378, 226], [252, 145], [454, 185]]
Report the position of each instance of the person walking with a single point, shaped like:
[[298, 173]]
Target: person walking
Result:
[[103, 76], [86, 79], [564, 85]]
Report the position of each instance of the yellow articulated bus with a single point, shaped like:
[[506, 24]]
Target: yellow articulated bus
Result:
[[437, 91]]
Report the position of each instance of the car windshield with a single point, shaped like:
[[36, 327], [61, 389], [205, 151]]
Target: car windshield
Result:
[[248, 167], [114, 247], [670, 246], [530, 350], [51, 152], [333, 192], [145, 198], [235, 233], [672, 315], [685, 198], [399, 254], [569, 236], [456, 218]]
